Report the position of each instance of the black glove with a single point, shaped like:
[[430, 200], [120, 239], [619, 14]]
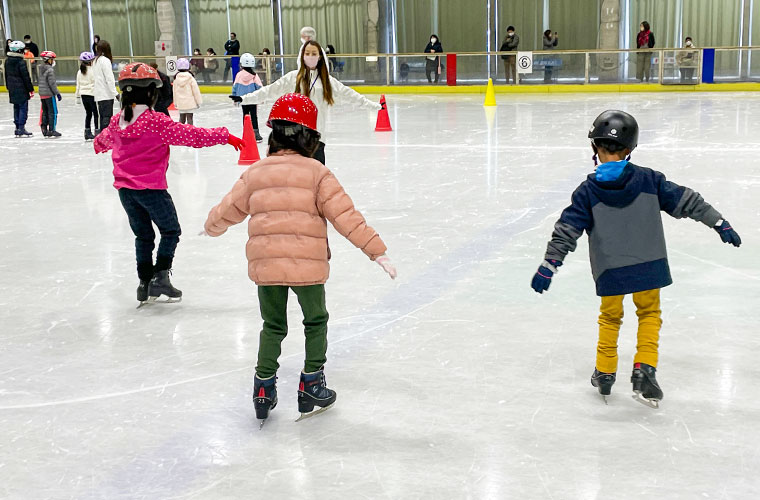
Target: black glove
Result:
[[543, 277], [727, 234], [236, 98]]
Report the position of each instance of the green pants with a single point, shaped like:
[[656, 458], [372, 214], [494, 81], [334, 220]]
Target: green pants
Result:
[[273, 302]]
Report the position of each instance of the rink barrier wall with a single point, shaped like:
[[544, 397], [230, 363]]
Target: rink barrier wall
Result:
[[512, 89]]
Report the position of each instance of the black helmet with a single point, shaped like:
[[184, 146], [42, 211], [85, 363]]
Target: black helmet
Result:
[[617, 126]]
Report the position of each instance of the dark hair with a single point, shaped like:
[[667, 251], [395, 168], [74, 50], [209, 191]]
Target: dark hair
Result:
[[434, 36], [196, 50], [27, 36], [293, 137], [608, 145], [133, 94], [96, 36], [103, 48], [688, 38], [645, 25], [83, 67], [233, 33], [211, 50], [269, 52], [547, 33], [510, 28]]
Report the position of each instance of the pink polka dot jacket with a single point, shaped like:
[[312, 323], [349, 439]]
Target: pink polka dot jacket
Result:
[[141, 150]]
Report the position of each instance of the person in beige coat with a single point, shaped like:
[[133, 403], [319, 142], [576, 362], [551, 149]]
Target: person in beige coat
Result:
[[289, 197], [187, 95]]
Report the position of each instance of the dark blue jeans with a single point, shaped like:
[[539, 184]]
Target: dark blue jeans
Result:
[[145, 207], [20, 114]]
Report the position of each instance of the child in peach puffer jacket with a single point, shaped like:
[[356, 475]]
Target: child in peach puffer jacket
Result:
[[140, 138], [290, 196]]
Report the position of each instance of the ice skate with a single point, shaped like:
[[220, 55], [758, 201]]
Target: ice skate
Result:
[[160, 285], [45, 132], [603, 382], [259, 139], [142, 293], [24, 133], [645, 388], [88, 135], [313, 391], [54, 134], [264, 397]]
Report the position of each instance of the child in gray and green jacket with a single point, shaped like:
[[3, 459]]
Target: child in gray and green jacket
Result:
[[619, 207], [48, 94]]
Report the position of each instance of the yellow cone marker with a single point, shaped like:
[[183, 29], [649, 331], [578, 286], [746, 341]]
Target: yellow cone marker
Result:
[[490, 95]]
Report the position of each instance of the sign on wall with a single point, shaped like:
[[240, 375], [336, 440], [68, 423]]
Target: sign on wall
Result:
[[525, 62], [171, 65]]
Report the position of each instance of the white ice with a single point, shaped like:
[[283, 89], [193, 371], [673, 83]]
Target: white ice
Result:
[[455, 381]]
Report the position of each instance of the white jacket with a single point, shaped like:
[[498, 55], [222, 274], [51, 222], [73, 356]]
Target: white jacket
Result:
[[187, 95], [85, 83], [287, 84], [105, 84]]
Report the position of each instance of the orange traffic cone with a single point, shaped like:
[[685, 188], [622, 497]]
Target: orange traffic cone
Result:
[[250, 152], [172, 107], [383, 120]]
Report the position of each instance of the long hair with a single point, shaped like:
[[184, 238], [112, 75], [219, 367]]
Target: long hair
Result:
[[103, 48], [133, 94], [287, 136], [303, 83], [83, 67], [646, 25]]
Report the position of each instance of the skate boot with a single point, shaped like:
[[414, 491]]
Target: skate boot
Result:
[[17, 133], [603, 382], [264, 397], [45, 132], [88, 135], [313, 391], [645, 388], [258, 136], [54, 134], [161, 285], [25, 132]]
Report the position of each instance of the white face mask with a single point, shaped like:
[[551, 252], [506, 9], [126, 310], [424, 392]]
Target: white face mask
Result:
[[510, 33], [433, 40], [689, 44], [311, 61], [53, 64]]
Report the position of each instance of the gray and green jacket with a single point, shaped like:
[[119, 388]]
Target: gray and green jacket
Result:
[[623, 222], [47, 81]]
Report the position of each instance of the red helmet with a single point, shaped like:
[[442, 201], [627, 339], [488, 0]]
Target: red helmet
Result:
[[294, 108], [139, 75], [47, 54]]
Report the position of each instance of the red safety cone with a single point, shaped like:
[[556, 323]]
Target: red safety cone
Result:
[[250, 152], [383, 120]]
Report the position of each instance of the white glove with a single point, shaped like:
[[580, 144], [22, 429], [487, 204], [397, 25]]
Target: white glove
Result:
[[385, 262], [377, 106]]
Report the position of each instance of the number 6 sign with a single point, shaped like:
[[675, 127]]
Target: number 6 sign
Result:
[[525, 62]]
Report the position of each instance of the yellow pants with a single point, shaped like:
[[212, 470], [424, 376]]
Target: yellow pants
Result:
[[610, 319]]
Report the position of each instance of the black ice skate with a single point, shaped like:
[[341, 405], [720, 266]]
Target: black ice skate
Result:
[[88, 135], [645, 388], [142, 292], [258, 136], [603, 382], [264, 397], [23, 132], [313, 391], [45, 132], [53, 134], [161, 285]]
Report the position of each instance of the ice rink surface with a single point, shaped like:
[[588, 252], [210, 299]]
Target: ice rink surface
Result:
[[456, 381]]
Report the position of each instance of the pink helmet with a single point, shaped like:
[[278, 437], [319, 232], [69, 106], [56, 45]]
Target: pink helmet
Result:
[[86, 56], [48, 54], [183, 64]]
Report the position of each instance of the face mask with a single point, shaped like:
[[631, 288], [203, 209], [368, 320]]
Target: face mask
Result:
[[610, 171], [689, 44], [641, 28], [510, 33], [311, 61], [53, 64], [433, 40]]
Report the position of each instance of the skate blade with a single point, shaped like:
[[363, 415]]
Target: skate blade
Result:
[[304, 416], [651, 403], [261, 423], [155, 300], [605, 399]]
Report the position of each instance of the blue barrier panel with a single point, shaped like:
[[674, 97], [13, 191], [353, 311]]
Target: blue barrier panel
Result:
[[708, 65]]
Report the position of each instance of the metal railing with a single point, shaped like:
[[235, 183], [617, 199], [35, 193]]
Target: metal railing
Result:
[[556, 67]]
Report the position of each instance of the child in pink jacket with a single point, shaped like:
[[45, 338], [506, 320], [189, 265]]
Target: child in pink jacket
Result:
[[140, 140], [247, 81], [289, 197]]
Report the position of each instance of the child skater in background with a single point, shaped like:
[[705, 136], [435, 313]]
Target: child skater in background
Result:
[[19, 85], [140, 138], [289, 196], [619, 208], [85, 92], [187, 95], [247, 81], [48, 94], [313, 80]]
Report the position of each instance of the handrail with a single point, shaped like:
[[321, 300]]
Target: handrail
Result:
[[440, 54]]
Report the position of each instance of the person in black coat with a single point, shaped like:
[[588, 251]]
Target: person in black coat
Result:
[[165, 93], [232, 48], [433, 63], [96, 39], [20, 88]]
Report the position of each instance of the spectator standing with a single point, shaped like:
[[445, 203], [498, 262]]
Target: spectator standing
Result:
[[433, 63], [197, 62], [550, 42], [232, 48], [687, 61], [210, 65], [35, 51], [644, 40], [510, 44]]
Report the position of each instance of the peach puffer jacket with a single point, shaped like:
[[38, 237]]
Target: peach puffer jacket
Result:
[[288, 197]]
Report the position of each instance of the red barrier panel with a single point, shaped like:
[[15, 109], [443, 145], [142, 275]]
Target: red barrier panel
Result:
[[451, 69]]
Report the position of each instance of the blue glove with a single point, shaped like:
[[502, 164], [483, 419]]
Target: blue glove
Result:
[[727, 234], [543, 277], [59, 97]]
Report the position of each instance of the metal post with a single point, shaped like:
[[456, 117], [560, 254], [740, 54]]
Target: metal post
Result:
[[586, 72], [129, 29], [44, 28], [387, 69], [660, 69]]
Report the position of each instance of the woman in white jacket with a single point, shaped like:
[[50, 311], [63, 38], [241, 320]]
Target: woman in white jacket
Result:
[[313, 81], [105, 83]]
